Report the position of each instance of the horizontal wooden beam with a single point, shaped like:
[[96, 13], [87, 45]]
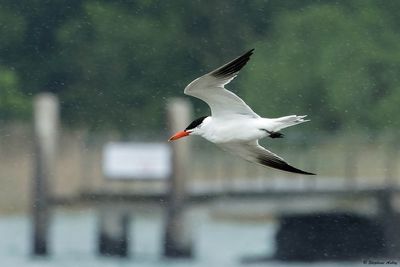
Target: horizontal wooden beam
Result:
[[199, 197]]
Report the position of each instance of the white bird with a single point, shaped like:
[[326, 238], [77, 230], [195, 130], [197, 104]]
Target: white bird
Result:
[[233, 125]]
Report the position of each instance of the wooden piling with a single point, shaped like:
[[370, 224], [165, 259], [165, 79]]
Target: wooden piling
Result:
[[113, 236], [390, 220], [177, 240], [46, 120]]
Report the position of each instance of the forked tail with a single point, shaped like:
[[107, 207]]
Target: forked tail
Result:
[[287, 121]]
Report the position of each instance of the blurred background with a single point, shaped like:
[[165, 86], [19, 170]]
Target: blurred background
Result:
[[113, 66]]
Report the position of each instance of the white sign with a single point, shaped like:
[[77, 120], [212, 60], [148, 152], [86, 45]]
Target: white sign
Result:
[[136, 160]]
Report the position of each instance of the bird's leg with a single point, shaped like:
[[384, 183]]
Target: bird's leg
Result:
[[275, 134]]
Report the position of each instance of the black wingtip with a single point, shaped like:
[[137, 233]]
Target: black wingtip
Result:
[[290, 168], [281, 165], [306, 173], [250, 52], [234, 66]]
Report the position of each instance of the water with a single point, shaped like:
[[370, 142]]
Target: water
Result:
[[73, 242]]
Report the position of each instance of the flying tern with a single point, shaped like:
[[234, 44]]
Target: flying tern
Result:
[[233, 125]]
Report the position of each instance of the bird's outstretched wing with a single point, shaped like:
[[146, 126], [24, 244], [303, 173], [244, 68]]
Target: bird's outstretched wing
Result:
[[253, 152], [210, 88]]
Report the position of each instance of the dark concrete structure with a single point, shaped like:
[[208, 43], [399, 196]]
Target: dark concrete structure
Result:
[[330, 237]]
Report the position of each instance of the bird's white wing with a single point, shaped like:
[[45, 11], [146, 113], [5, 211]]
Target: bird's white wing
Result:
[[210, 88], [253, 152]]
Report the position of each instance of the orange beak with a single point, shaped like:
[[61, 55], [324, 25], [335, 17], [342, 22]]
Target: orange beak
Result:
[[178, 135]]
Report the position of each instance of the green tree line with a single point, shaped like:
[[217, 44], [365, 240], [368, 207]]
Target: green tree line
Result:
[[114, 63]]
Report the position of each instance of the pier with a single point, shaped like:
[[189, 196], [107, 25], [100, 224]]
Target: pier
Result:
[[177, 193]]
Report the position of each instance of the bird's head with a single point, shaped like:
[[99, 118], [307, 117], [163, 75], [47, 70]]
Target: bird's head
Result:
[[194, 128]]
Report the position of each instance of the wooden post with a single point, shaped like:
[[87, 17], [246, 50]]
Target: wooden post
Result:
[[350, 163], [113, 236], [390, 220], [392, 152], [177, 242], [46, 117]]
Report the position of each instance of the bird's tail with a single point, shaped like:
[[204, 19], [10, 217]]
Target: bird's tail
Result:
[[287, 121]]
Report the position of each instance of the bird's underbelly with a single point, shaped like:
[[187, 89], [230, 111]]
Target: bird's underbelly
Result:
[[234, 133]]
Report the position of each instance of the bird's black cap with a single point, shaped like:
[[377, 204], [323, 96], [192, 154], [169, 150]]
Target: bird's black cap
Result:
[[195, 123]]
